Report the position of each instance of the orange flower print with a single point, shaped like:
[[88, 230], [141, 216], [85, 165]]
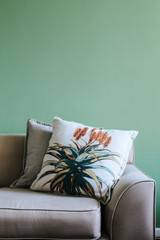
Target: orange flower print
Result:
[[92, 137], [76, 132], [103, 137], [84, 130], [107, 142], [98, 135], [93, 129], [95, 136]]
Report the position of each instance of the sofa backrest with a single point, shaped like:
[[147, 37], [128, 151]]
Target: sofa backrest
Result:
[[11, 157]]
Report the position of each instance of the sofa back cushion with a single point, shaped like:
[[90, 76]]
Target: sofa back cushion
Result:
[[38, 135]]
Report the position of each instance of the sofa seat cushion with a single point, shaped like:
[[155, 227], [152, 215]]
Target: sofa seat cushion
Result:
[[28, 214]]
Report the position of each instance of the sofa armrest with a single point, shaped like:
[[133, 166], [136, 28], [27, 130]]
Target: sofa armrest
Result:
[[130, 213]]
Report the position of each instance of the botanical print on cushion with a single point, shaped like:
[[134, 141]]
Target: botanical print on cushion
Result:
[[82, 160], [74, 164]]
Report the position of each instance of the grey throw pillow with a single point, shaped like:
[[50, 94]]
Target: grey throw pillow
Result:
[[37, 139]]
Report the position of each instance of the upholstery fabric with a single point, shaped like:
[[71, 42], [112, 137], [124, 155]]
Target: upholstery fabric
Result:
[[132, 207], [37, 139], [129, 215], [83, 160], [11, 155], [25, 213]]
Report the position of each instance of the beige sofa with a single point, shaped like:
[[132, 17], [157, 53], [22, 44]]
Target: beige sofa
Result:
[[129, 215]]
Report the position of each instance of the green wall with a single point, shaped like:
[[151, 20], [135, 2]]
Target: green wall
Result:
[[91, 61]]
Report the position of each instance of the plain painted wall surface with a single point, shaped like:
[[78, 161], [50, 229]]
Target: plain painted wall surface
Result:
[[91, 61]]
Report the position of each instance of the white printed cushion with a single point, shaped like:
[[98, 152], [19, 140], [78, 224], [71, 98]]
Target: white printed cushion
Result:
[[83, 160]]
